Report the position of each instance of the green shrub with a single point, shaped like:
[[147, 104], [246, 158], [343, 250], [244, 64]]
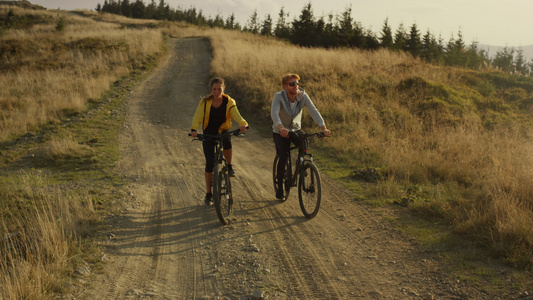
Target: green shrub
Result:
[[61, 23]]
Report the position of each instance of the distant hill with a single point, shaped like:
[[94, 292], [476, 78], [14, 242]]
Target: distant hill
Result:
[[21, 3], [492, 50]]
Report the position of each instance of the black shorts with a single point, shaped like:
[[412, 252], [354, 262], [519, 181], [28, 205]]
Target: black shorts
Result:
[[209, 152]]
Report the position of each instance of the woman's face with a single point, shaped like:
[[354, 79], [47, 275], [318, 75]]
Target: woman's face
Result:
[[217, 89]]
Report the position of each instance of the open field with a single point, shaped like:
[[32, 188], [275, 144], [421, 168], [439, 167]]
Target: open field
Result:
[[453, 146]]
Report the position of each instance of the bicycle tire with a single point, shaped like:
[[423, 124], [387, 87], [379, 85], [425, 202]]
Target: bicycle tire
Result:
[[222, 194], [309, 190], [286, 178]]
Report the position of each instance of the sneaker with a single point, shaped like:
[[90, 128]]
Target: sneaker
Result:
[[208, 199], [231, 173], [279, 194]]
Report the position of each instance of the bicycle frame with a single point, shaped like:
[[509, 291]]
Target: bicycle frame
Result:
[[219, 153], [222, 193], [304, 156]]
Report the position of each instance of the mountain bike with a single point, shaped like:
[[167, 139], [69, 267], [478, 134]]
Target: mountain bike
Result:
[[222, 195], [305, 175]]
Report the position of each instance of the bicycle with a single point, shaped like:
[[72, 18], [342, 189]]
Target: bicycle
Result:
[[222, 195], [305, 175]]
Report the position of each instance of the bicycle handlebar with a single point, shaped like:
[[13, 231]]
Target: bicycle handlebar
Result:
[[236, 132], [318, 134]]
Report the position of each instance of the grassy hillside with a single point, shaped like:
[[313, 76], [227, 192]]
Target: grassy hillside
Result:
[[452, 146]]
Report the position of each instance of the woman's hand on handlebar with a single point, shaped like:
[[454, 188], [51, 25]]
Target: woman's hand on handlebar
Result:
[[194, 133], [243, 128]]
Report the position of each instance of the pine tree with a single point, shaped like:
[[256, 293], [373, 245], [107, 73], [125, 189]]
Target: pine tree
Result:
[[266, 28], [327, 38], [282, 30], [476, 58], [304, 29], [504, 59], [320, 29], [162, 11], [230, 22], [371, 40], [520, 64], [345, 31], [138, 9], [125, 8], [456, 52], [217, 22], [151, 9], [253, 23], [400, 38], [414, 44], [386, 40]]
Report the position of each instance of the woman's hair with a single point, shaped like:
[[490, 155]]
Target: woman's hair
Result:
[[216, 80], [288, 77]]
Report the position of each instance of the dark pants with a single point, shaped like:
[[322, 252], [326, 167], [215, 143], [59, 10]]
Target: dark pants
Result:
[[283, 145], [209, 152]]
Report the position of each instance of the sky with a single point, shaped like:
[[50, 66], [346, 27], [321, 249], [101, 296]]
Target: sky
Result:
[[491, 22]]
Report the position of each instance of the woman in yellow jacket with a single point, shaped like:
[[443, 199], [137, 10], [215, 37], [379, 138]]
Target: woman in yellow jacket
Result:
[[215, 112]]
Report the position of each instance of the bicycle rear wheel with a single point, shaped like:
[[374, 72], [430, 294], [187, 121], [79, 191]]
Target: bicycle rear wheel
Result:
[[309, 190], [222, 194], [286, 178]]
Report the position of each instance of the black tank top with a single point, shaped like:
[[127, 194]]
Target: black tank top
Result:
[[217, 117]]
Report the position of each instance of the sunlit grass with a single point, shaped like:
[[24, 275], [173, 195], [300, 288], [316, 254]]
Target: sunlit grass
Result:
[[45, 72], [469, 153]]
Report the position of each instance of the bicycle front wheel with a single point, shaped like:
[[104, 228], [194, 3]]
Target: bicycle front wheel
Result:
[[309, 190], [286, 178], [222, 194]]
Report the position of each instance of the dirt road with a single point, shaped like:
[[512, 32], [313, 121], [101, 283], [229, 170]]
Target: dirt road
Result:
[[168, 245]]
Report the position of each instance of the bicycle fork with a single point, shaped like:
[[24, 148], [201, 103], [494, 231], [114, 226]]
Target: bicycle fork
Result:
[[308, 188]]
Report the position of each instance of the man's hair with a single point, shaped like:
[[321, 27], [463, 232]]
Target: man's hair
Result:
[[288, 77], [216, 80]]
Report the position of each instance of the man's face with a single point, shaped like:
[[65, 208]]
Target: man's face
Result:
[[292, 86]]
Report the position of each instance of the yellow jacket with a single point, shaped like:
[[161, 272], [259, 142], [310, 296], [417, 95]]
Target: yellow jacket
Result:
[[204, 108]]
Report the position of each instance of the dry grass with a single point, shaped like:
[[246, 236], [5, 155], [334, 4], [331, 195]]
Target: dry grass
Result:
[[421, 124], [59, 148], [46, 72], [38, 240], [47, 76]]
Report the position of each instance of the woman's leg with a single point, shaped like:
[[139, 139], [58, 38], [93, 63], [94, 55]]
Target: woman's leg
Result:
[[209, 153], [227, 155], [208, 181]]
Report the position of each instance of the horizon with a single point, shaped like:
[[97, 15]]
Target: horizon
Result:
[[498, 24]]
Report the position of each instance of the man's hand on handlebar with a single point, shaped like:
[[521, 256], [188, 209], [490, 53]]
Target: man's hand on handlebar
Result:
[[325, 131], [284, 132]]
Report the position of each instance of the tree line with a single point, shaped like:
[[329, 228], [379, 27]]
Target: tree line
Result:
[[333, 31]]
